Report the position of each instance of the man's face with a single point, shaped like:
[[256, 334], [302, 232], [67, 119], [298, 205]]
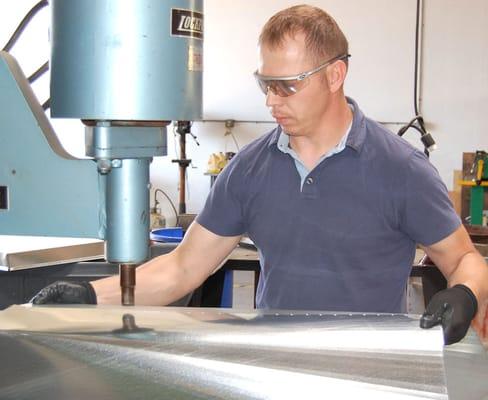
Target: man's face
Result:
[[300, 113]]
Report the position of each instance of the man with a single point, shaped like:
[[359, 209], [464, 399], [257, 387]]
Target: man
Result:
[[334, 202]]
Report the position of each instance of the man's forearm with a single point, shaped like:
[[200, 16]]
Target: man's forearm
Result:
[[457, 307], [158, 282], [472, 271]]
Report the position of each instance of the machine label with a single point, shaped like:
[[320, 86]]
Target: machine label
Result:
[[186, 23], [195, 59]]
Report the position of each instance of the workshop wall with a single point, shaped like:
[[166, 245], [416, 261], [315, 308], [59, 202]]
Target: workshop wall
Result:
[[455, 80], [454, 90]]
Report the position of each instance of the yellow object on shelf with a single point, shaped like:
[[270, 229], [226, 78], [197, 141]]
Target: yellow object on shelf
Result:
[[216, 163], [473, 183]]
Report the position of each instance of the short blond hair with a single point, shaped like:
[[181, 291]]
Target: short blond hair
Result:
[[323, 37]]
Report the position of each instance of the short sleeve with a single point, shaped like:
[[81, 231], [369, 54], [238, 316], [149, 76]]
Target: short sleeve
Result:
[[223, 213], [427, 215]]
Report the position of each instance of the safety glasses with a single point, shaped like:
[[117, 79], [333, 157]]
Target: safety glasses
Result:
[[285, 86]]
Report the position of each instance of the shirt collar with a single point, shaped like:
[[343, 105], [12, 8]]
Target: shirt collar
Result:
[[283, 144], [357, 134]]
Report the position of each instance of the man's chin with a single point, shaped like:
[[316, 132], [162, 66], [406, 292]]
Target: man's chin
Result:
[[289, 130], [287, 126]]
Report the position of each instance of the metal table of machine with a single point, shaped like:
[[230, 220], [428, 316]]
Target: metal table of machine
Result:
[[182, 353]]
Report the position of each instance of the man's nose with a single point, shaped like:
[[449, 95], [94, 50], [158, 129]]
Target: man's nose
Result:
[[271, 98]]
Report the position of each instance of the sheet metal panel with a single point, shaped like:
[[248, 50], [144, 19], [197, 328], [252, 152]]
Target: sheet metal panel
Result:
[[168, 353]]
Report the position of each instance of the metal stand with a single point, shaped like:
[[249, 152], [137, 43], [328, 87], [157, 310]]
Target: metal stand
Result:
[[183, 128]]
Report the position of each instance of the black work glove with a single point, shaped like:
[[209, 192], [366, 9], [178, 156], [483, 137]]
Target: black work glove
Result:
[[61, 292], [454, 308]]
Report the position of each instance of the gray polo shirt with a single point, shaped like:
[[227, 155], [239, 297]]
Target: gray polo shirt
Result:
[[344, 241]]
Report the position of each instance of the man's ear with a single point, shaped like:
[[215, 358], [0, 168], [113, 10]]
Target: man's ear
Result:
[[336, 74]]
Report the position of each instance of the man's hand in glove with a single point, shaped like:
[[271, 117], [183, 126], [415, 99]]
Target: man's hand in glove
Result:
[[454, 309], [66, 293]]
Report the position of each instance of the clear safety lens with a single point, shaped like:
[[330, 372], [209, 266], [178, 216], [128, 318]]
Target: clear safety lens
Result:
[[282, 88]]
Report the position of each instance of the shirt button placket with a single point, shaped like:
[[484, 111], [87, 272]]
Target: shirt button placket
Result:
[[310, 189]]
